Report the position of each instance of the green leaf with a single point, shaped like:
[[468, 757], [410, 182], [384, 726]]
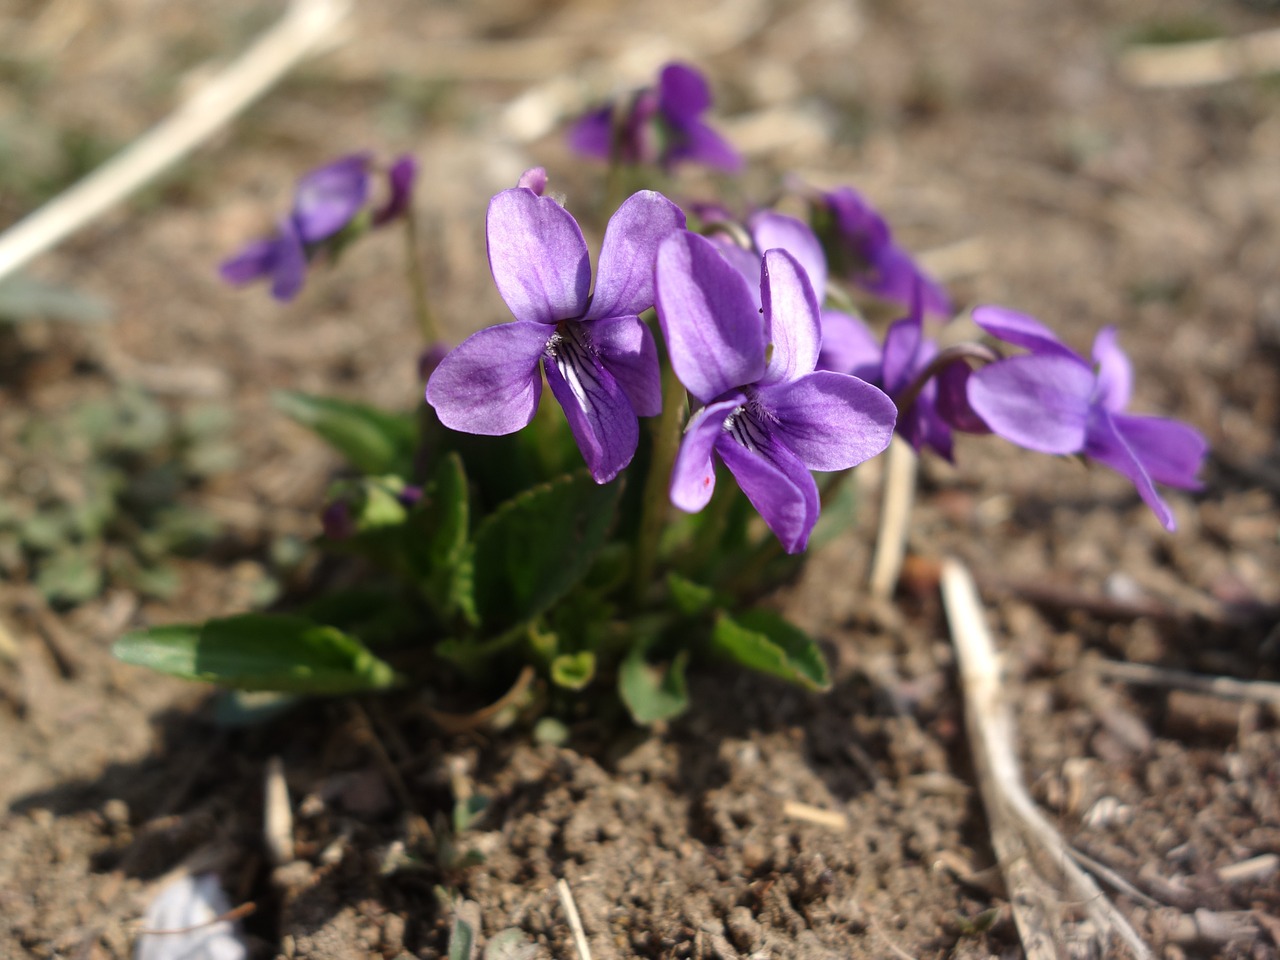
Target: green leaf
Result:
[[447, 516], [510, 944], [839, 508], [765, 642], [257, 651], [373, 441], [653, 693], [373, 503], [573, 671], [70, 576], [462, 938], [690, 598], [533, 549], [23, 298]]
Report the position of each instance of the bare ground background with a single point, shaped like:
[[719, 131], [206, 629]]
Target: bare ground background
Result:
[[998, 134]]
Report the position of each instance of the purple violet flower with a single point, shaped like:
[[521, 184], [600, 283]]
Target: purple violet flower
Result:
[[659, 125], [860, 247], [1052, 400], [848, 346], [599, 357], [325, 202], [765, 413]]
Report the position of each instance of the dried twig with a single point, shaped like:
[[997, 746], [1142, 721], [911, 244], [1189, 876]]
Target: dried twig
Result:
[[1037, 864], [575, 921], [1202, 62], [1146, 675], [307, 27], [277, 815], [895, 517], [794, 810]]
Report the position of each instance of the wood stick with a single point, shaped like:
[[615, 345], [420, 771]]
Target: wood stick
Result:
[[307, 26], [1038, 867]]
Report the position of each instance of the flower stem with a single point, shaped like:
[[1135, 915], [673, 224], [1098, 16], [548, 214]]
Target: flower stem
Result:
[[653, 509], [414, 270]]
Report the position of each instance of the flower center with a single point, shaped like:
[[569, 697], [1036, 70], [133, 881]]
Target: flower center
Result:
[[745, 427], [571, 350]]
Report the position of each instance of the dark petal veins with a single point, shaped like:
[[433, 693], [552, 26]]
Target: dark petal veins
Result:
[[597, 408]]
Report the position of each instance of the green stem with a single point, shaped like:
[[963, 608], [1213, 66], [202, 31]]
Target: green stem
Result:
[[653, 509], [417, 278]]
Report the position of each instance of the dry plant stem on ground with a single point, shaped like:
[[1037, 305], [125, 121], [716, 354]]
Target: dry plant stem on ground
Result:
[[307, 27], [1039, 870], [1202, 62], [895, 517]]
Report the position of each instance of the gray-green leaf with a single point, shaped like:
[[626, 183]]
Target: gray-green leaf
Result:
[[256, 651]]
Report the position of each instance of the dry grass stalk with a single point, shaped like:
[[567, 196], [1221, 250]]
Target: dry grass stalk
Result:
[[1143, 674], [307, 27], [575, 921], [795, 810], [895, 517], [1039, 870], [1202, 62], [277, 815]]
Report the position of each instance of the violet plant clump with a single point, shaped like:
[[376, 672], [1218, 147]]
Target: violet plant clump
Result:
[[591, 539]]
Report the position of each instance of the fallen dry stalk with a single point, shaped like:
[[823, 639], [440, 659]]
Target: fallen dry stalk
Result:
[[575, 922], [1039, 870], [307, 27], [1202, 62], [895, 517], [1142, 674]]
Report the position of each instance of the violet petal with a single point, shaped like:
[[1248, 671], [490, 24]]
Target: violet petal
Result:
[[683, 93], [698, 143], [489, 384], [1037, 402], [1115, 372], [624, 279], [1170, 451], [903, 345], [693, 478], [537, 256], [770, 230], [1022, 331], [627, 349], [1107, 446], [849, 346], [327, 199], [713, 333], [953, 400], [778, 486], [592, 135], [289, 268], [791, 320], [400, 180], [254, 260], [831, 421], [596, 406]]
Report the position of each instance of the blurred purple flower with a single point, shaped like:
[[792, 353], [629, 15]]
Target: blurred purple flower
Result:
[[661, 125], [766, 413], [326, 201], [1054, 401], [599, 357], [860, 247]]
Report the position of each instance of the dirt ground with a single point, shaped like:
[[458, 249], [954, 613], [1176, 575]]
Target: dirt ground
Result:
[[997, 134]]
